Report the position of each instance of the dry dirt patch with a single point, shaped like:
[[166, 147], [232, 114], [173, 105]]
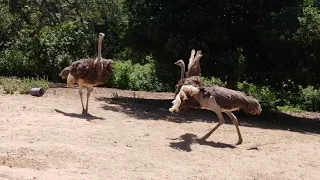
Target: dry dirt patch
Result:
[[134, 138]]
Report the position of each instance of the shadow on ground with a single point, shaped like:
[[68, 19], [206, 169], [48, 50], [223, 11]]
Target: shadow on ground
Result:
[[153, 109], [188, 139], [157, 109], [80, 116]]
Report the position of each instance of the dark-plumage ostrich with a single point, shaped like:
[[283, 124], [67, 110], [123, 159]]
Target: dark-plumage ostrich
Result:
[[217, 99], [88, 72]]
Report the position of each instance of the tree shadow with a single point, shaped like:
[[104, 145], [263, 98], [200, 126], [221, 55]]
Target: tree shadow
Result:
[[279, 120], [154, 109], [158, 109], [80, 116], [189, 139]]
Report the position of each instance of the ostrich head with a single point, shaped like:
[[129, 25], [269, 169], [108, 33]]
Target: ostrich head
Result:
[[182, 66], [179, 63], [101, 35]]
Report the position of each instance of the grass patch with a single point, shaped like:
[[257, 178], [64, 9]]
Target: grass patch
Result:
[[288, 108], [11, 85]]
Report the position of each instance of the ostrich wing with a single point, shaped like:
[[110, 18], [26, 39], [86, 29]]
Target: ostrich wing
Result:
[[79, 68], [191, 59], [194, 68]]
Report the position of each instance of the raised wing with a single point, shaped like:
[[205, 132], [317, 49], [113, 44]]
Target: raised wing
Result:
[[194, 68]]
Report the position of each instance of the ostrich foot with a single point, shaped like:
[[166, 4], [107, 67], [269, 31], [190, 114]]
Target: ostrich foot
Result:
[[84, 112], [239, 142], [174, 109], [201, 140], [176, 105]]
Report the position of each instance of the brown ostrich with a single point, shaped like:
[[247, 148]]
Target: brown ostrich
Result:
[[88, 72], [216, 99]]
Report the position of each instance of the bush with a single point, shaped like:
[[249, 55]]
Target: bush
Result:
[[267, 98], [304, 99], [11, 85], [14, 62], [136, 76], [55, 47], [213, 81], [310, 98], [289, 108]]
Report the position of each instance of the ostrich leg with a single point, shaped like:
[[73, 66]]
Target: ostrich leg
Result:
[[89, 90], [81, 97], [235, 122], [221, 121]]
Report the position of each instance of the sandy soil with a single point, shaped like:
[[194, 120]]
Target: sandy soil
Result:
[[133, 138]]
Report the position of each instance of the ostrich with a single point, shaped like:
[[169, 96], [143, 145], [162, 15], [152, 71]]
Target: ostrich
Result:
[[88, 72], [194, 69], [217, 99]]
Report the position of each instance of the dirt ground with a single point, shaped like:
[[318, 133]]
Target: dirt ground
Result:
[[132, 135]]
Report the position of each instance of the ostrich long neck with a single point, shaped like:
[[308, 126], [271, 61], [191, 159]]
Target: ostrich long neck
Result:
[[99, 49], [182, 71]]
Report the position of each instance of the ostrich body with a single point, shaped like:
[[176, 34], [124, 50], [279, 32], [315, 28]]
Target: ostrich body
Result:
[[88, 72], [217, 99]]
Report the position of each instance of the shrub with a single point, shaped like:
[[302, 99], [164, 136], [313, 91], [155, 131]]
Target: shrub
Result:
[[14, 62], [267, 98], [289, 108], [310, 98], [11, 85], [213, 81], [136, 76]]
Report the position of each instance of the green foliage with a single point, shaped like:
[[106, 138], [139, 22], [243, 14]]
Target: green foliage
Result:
[[5, 17], [61, 45], [136, 77], [285, 34], [213, 81], [16, 85], [304, 99], [41, 38], [310, 98], [14, 62], [289, 108], [266, 43], [309, 29], [267, 97], [233, 64]]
